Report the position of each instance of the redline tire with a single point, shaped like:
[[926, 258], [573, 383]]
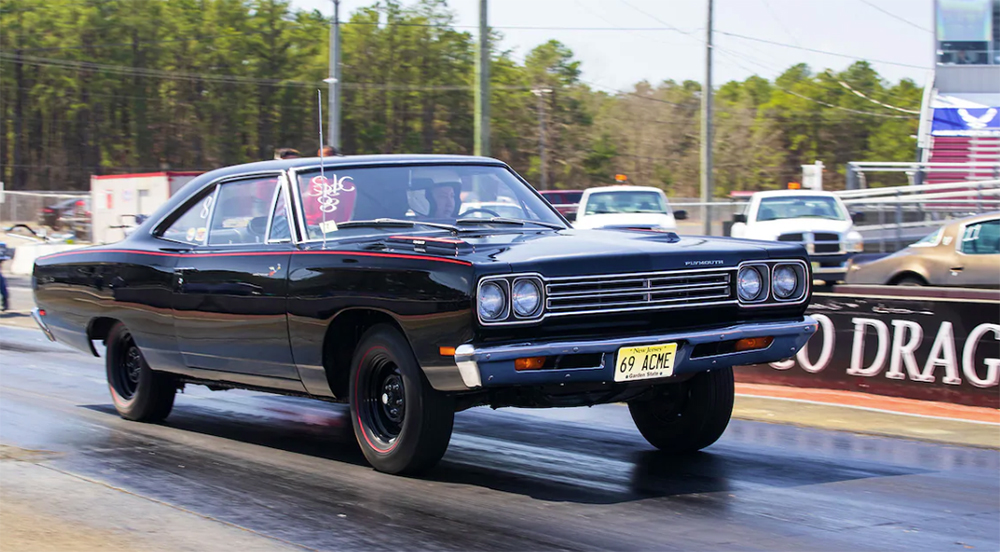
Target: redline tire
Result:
[[139, 393], [402, 424], [688, 416]]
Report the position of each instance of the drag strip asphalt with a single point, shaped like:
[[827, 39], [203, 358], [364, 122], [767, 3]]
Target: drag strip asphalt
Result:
[[286, 473]]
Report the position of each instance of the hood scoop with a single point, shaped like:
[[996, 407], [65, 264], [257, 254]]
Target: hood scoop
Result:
[[656, 234], [426, 244]]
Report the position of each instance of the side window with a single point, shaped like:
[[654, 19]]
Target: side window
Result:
[[279, 220], [241, 212], [982, 238], [192, 226]]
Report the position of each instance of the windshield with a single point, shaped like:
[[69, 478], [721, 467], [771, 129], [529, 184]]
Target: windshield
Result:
[[625, 202], [930, 240], [786, 207], [423, 193]]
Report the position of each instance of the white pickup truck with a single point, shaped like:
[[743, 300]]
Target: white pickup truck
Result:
[[626, 207], [818, 220]]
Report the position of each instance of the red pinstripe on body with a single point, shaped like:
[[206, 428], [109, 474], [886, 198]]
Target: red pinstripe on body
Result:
[[259, 254]]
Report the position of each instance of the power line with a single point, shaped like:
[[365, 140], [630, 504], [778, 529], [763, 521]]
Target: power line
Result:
[[894, 16], [874, 101], [227, 79], [814, 100], [825, 52], [774, 16]]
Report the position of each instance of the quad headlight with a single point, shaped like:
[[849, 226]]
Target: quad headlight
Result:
[[526, 297], [492, 301], [784, 282], [511, 299], [749, 283]]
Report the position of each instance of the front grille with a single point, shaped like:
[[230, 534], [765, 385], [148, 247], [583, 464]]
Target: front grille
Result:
[[623, 292], [825, 243]]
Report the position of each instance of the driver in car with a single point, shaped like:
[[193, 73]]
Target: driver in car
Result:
[[444, 200]]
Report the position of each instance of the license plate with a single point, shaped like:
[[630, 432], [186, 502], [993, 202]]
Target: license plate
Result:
[[648, 361]]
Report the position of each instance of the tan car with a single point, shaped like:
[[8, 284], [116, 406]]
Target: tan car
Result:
[[964, 253]]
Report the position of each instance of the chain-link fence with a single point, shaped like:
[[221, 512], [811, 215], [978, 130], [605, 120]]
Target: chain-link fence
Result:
[[47, 213]]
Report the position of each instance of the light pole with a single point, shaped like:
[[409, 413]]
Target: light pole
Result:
[[481, 141], [334, 79], [706, 132], [542, 161]]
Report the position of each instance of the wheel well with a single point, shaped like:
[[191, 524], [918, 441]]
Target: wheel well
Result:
[[99, 329], [342, 338], [904, 275]]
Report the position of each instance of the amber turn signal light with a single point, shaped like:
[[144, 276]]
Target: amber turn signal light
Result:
[[753, 343], [530, 363], [446, 351]]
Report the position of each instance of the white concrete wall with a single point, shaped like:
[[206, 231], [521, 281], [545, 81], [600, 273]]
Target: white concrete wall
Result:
[[25, 254]]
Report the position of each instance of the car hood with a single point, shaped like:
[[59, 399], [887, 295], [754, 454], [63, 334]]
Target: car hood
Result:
[[771, 229], [585, 252], [636, 220]]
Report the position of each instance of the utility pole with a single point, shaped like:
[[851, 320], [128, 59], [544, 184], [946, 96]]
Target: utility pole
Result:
[[334, 79], [482, 114], [542, 161], [706, 132]]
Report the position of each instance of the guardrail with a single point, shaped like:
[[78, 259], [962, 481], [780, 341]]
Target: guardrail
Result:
[[901, 208]]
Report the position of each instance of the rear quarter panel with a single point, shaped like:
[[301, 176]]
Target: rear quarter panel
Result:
[[125, 284]]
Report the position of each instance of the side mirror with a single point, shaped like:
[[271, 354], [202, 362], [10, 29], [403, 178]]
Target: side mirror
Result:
[[680, 215], [858, 216], [139, 219], [570, 217], [740, 217]]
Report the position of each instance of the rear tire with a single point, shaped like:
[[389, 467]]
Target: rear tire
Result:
[[688, 416], [402, 424], [139, 393], [911, 281]]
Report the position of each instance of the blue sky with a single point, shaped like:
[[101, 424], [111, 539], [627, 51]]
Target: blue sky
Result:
[[617, 59]]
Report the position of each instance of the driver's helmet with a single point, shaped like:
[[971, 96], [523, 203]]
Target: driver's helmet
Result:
[[425, 193]]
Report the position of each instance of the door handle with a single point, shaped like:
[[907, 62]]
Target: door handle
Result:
[[956, 269]]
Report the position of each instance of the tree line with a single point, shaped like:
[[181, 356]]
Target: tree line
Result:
[[118, 86]]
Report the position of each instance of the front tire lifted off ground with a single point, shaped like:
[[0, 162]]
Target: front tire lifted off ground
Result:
[[402, 424], [688, 416]]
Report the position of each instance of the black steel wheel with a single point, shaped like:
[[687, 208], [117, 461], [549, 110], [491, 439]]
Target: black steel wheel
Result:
[[688, 416], [384, 402], [402, 424], [139, 393]]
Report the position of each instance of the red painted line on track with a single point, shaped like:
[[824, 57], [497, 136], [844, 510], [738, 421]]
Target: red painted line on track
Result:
[[867, 400]]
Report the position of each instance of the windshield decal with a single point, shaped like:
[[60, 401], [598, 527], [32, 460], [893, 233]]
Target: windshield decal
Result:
[[327, 193]]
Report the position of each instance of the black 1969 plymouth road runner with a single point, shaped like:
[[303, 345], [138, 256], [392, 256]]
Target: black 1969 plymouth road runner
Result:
[[412, 287]]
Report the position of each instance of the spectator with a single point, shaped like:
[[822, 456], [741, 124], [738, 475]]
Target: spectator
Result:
[[327, 151], [4, 256], [287, 153]]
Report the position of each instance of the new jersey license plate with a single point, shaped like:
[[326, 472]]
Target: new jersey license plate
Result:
[[648, 361]]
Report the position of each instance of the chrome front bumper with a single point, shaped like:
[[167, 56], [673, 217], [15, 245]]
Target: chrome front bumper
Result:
[[493, 366], [41, 324]]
